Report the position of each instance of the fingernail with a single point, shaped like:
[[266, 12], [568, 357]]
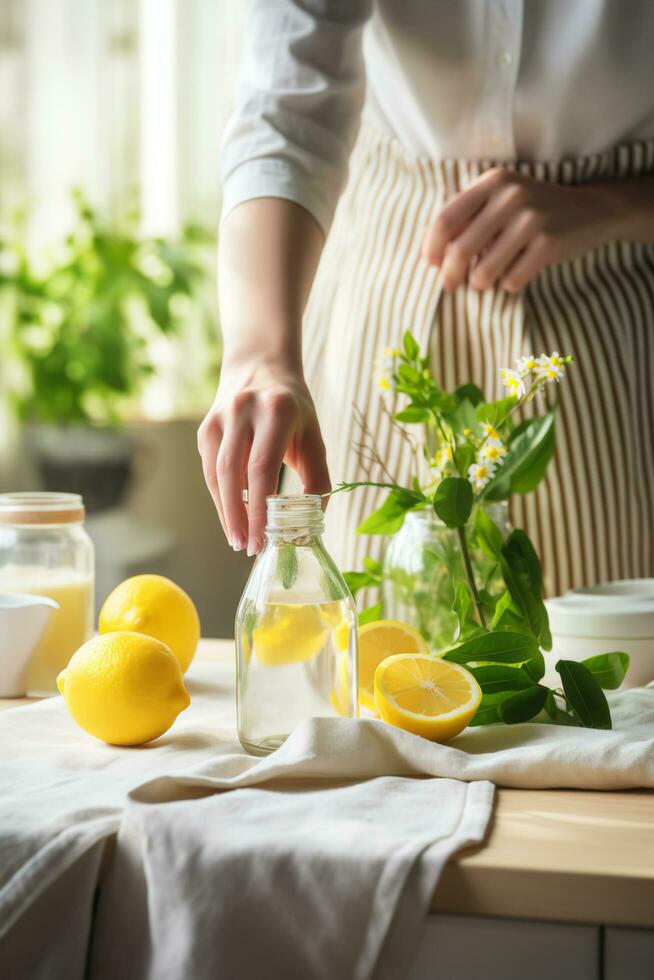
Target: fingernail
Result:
[[253, 547], [238, 541]]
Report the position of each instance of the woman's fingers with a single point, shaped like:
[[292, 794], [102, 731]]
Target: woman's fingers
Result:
[[515, 237], [527, 265], [231, 468], [311, 462], [475, 240], [456, 215], [277, 417], [209, 439]]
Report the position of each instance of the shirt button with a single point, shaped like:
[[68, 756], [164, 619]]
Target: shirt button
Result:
[[504, 59]]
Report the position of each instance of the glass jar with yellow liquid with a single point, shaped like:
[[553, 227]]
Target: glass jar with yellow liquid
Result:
[[44, 550], [296, 630]]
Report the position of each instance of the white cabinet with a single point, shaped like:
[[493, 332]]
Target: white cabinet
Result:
[[461, 948]]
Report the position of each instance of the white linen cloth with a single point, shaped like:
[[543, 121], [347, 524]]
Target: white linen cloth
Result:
[[302, 840], [450, 79]]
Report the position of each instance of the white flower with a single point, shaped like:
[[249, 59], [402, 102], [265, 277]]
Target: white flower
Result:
[[490, 431], [526, 365], [492, 452], [480, 473], [441, 462], [513, 381], [551, 367], [385, 368]]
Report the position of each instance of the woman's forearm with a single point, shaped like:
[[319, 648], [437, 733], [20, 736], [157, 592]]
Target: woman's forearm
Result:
[[268, 254], [629, 209]]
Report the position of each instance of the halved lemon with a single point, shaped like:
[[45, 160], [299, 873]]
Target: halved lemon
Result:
[[426, 695], [380, 640]]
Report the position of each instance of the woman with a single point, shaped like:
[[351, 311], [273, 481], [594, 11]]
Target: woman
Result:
[[500, 202]]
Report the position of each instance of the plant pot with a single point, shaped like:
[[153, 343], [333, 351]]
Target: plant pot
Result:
[[94, 461]]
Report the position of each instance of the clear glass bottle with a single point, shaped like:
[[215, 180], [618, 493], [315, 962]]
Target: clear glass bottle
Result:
[[44, 550], [296, 630], [422, 567]]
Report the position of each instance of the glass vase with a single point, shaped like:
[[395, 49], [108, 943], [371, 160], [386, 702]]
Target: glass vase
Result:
[[423, 567]]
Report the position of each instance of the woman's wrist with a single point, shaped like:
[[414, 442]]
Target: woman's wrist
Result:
[[272, 352]]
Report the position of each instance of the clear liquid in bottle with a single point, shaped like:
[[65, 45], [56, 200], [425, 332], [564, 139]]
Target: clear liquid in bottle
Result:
[[296, 631]]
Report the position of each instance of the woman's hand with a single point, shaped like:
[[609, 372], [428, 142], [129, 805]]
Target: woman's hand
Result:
[[505, 228], [262, 416]]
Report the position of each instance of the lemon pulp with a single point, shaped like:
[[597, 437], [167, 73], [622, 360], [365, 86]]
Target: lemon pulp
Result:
[[377, 641], [426, 695]]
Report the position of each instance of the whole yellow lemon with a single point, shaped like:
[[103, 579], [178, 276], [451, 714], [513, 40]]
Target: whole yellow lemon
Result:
[[125, 688], [154, 605]]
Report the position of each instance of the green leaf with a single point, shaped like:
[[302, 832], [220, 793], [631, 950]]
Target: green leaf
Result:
[[495, 412], [463, 416], [608, 669], [498, 489], [523, 578], [471, 393], [499, 648], [523, 706], [464, 457], [412, 414], [371, 614], [408, 375], [358, 580], [494, 678], [410, 344], [527, 476], [551, 706], [584, 695], [390, 516], [488, 601], [530, 450], [373, 567], [507, 616], [488, 712], [535, 667], [443, 402], [453, 501], [287, 567], [463, 608], [488, 534]]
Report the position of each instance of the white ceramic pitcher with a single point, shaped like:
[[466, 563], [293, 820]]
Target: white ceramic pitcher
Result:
[[23, 619]]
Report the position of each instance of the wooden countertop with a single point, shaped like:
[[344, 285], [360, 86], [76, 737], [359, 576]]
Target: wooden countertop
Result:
[[562, 855]]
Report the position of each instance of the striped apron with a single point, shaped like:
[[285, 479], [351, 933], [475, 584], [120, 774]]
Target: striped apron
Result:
[[592, 518]]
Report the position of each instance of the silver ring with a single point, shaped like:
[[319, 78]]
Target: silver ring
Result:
[[244, 496]]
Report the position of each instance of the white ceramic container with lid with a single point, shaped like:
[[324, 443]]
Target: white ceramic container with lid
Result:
[[607, 618]]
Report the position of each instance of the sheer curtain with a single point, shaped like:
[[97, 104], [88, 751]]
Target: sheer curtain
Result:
[[117, 97]]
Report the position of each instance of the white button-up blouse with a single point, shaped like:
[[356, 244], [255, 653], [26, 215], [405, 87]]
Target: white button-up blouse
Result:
[[464, 79]]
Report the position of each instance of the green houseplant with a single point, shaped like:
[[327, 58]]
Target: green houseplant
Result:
[[80, 334]]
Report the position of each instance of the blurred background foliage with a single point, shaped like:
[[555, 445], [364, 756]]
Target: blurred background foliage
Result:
[[83, 321]]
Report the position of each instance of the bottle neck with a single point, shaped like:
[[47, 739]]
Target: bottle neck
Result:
[[294, 517]]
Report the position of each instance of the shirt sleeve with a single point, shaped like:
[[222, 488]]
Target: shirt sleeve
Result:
[[298, 104]]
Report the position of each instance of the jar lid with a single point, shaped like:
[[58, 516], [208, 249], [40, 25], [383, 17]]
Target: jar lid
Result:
[[612, 611], [41, 508]]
